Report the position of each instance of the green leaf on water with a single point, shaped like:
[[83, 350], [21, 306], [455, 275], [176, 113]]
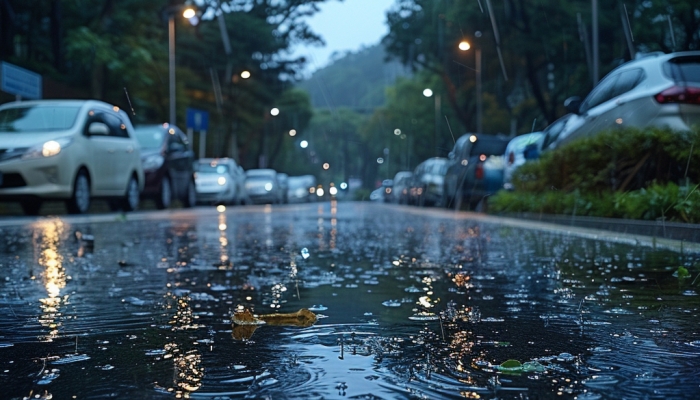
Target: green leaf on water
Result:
[[511, 365], [682, 273]]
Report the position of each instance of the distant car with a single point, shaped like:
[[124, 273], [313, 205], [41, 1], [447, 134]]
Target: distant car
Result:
[[661, 90], [301, 189], [168, 165], [518, 151], [428, 182], [402, 186], [475, 169], [69, 150], [388, 185], [377, 194], [220, 181], [283, 180], [263, 187]]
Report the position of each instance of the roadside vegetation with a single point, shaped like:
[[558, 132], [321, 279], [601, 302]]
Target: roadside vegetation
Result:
[[628, 173]]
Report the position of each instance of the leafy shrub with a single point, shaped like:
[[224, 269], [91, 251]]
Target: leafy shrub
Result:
[[623, 173]]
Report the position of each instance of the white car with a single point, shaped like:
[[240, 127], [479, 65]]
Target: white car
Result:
[[516, 154], [220, 181], [69, 150], [661, 90], [263, 186]]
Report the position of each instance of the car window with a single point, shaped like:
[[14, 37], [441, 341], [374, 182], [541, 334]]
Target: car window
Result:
[[176, 143], [117, 128], [603, 92], [38, 118], [626, 81], [683, 69], [551, 133]]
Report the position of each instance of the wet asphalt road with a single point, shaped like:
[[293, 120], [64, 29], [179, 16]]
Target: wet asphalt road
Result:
[[412, 303]]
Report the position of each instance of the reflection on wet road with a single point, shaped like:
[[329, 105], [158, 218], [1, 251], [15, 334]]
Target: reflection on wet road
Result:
[[408, 304]]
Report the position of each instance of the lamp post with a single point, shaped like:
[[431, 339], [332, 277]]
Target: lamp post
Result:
[[438, 107], [464, 46], [187, 12]]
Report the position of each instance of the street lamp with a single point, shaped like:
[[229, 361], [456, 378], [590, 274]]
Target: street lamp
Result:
[[438, 106], [464, 46], [189, 13]]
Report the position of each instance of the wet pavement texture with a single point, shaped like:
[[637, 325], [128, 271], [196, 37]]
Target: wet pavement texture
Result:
[[409, 304]]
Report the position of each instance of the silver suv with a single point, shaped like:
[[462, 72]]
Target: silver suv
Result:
[[660, 90], [69, 150]]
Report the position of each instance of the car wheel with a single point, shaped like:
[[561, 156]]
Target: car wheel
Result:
[[190, 198], [130, 202], [79, 203], [165, 195], [31, 206]]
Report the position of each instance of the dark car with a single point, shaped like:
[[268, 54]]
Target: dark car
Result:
[[428, 181], [475, 169], [168, 165]]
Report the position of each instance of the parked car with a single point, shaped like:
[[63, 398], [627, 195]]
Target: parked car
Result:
[[283, 181], [220, 181], [301, 189], [388, 185], [475, 169], [69, 150], [263, 187], [518, 151], [402, 187], [168, 165], [554, 130], [661, 90], [428, 182]]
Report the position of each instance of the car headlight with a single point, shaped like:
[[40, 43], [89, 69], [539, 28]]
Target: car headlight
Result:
[[268, 186], [47, 149], [154, 161], [221, 181]]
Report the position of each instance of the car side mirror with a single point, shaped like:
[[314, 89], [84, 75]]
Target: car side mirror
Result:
[[531, 152], [573, 104], [98, 128]]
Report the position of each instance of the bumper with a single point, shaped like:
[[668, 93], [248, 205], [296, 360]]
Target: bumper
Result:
[[43, 178]]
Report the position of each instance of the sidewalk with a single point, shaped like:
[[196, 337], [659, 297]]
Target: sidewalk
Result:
[[657, 229]]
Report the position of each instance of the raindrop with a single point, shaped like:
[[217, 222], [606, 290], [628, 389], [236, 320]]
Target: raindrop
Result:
[[391, 303], [305, 253]]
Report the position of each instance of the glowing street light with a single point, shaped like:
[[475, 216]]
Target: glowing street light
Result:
[[245, 74], [275, 112], [189, 13], [464, 46], [326, 165], [292, 132], [304, 144]]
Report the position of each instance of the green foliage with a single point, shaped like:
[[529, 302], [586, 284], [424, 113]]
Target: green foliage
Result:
[[625, 173]]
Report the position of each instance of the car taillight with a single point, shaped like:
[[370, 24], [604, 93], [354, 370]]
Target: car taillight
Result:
[[479, 171], [511, 158], [679, 94]]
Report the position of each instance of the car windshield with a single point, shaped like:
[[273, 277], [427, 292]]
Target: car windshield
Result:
[[212, 168], [259, 178], [437, 168], [38, 118], [300, 182], [519, 144], [489, 147], [149, 137]]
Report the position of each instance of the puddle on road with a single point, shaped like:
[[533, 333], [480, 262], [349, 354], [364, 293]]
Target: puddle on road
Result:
[[407, 307]]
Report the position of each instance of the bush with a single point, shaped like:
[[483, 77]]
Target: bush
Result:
[[624, 173]]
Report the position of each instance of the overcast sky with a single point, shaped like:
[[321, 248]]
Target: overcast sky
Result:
[[347, 25]]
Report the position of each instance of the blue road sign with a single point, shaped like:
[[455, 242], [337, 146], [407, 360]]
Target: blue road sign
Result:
[[197, 120], [19, 81]]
